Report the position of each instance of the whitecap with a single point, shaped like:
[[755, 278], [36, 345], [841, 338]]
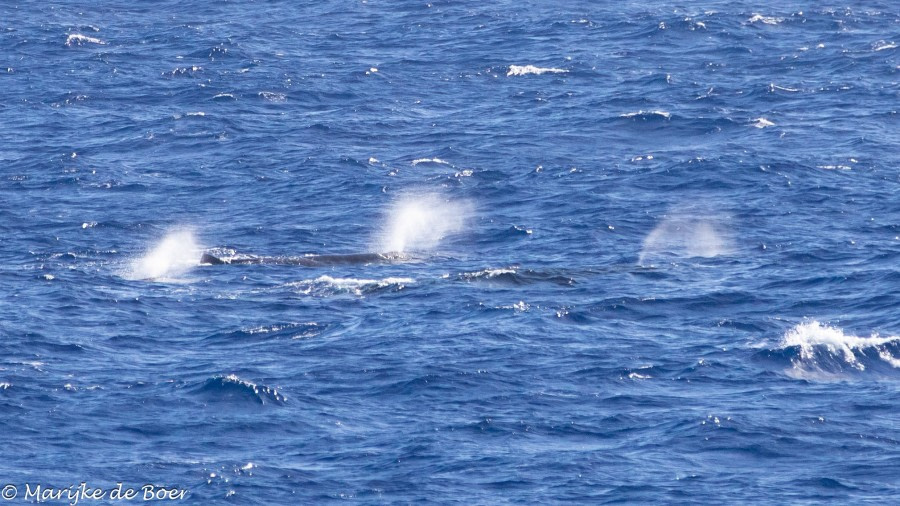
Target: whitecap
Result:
[[77, 39], [518, 307], [488, 273], [231, 387], [327, 285], [774, 87], [309, 326], [642, 113], [766, 20], [822, 344], [522, 70], [883, 45], [762, 123], [417, 161], [273, 96]]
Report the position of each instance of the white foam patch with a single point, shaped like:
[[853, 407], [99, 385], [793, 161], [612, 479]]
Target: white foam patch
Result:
[[774, 87], [524, 70], [77, 39], [661, 114], [762, 123], [174, 255], [430, 160], [327, 285], [487, 273], [273, 96], [766, 20], [419, 223], [686, 236], [813, 338]]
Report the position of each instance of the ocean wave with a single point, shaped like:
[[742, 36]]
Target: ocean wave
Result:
[[818, 351], [766, 20], [882, 45], [230, 388], [488, 273], [272, 96], [774, 87], [647, 114], [184, 71], [417, 161], [195, 114], [324, 286], [77, 39], [515, 276], [518, 307], [524, 70], [292, 330]]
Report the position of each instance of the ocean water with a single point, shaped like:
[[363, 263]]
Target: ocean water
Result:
[[638, 252]]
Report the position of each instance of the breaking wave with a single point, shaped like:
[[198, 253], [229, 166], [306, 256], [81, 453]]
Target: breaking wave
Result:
[[822, 352]]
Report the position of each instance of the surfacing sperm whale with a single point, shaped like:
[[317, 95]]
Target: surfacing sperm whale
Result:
[[306, 261]]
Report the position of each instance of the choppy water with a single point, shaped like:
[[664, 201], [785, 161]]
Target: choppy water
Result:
[[649, 253]]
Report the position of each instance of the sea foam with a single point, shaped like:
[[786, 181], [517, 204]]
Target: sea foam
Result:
[[326, 286], [77, 39], [524, 70], [826, 352]]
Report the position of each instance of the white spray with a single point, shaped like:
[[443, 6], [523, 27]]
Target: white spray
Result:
[[419, 223], [174, 255], [686, 236]]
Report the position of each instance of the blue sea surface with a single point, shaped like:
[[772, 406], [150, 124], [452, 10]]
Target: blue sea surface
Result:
[[637, 252]]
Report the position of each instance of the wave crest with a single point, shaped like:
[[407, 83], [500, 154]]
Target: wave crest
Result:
[[524, 70], [325, 286], [232, 388], [822, 352]]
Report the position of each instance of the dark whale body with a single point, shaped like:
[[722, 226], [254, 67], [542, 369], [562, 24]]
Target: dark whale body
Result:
[[307, 261]]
